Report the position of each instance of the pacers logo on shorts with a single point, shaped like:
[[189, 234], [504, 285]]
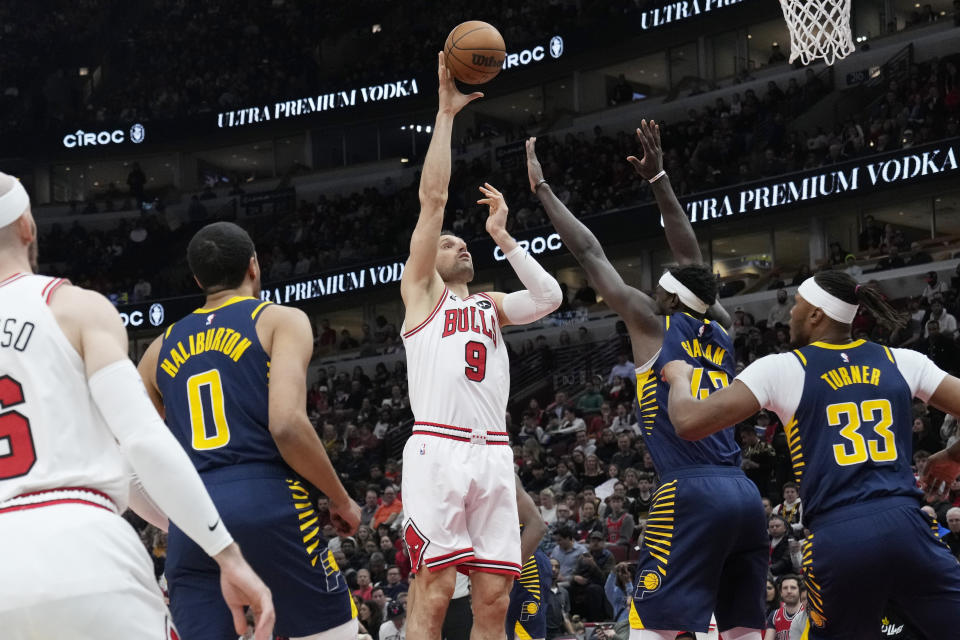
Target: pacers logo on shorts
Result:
[[816, 618], [648, 583], [528, 610]]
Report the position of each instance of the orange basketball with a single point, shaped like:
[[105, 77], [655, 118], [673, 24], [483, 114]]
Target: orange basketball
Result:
[[474, 51]]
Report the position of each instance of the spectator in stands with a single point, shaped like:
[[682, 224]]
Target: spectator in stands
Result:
[[779, 313], [625, 456], [780, 562], [619, 523], [742, 321], [390, 510], [891, 261], [564, 518], [947, 323], [589, 521], [952, 539], [395, 583], [852, 268], [567, 553], [603, 421], [776, 55], [557, 602], [370, 505], [529, 428], [370, 618], [935, 288], [590, 401], [758, 458], [584, 444], [560, 402], [548, 507], [623, 369], [395, 626], [607, 445], [640, 490], [589, 575], [791, 509], [565, 481], [618, 589], [625, 420]]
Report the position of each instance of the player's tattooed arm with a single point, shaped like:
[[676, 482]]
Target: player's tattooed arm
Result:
[[694, 419], [634, 306]]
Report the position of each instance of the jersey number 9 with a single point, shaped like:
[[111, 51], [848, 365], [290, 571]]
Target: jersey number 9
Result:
[[208, 419], [850, 416]]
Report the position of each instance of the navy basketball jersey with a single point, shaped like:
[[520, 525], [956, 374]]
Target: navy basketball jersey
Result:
[[213, 374], [706, 346], [850, 438]]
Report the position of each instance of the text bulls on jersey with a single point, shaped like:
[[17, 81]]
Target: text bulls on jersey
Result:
[[471, 320]]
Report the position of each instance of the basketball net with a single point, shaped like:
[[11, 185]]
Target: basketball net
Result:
[[818, 29]]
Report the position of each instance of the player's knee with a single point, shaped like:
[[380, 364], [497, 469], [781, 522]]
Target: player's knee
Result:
[[490, 605]]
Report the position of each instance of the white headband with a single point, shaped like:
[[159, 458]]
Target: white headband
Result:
[[13, 204], [687, 297], [833, 306]]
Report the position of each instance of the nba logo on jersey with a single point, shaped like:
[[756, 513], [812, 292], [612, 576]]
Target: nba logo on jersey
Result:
[[210, 319], [423, 449], [844, 357]]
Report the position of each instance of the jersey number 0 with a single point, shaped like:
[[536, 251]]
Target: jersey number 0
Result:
[[208, 419]]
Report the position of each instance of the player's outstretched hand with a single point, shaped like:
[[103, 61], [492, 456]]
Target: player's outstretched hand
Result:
[[652, 162], [941, 469], [242, 587], [345, 517], [497, 219], [677, 372], [534, 170], [451, 100]]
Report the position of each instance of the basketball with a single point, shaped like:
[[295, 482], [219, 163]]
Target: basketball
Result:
[[474, 51]]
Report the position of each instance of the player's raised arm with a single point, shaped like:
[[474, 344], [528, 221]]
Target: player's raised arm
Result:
[[542, 294], [421, 284], [693, 418], [534, 528], [93, 326], [290, 346], [631, 304], [676, 225]]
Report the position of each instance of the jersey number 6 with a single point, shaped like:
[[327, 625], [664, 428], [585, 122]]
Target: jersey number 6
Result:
[[17, 454]]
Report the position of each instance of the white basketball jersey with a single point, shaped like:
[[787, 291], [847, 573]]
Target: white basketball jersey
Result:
[[458, 371], [51, 434]]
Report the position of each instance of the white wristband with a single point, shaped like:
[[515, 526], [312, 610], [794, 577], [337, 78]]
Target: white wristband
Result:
[[662, 173]]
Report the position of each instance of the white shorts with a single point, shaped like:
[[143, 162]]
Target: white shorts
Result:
[[461, 505], [77, 571]]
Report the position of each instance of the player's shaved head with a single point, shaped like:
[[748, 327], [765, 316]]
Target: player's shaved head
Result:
[[219, 255]]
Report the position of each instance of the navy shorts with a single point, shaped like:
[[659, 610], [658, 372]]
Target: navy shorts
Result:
[[527, 613], [273, 520], [705, 551], [861, 556]]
